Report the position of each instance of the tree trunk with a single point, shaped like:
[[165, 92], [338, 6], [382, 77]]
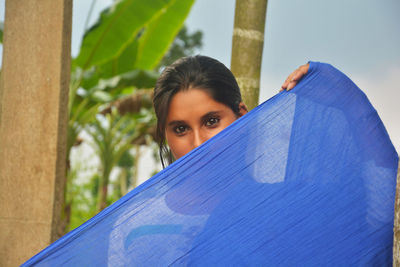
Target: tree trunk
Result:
[[396, 230], [123, 182], [103, 187], [247, 47], [103, 197], [135, 176], [33, 125]]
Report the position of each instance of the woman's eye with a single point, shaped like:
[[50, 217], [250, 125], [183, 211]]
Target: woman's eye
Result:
[[212, 121], [180, 129]]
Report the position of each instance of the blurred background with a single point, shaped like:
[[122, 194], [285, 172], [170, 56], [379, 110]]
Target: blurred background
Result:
[[111, 146]]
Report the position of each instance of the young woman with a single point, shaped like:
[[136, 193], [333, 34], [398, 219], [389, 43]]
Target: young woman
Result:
[[194, 99]]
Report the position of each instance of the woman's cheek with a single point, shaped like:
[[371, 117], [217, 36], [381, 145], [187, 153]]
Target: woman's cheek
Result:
[[179, 146], [223, 124], [212, 132]]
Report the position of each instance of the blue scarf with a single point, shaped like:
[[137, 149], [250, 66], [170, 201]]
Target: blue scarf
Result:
[[305, 179]]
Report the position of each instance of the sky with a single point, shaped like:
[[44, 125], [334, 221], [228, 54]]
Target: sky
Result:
[[359, 37]]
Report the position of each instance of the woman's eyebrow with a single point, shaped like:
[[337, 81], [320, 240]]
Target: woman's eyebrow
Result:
[[210, 114], [205, 116], [176, 122]]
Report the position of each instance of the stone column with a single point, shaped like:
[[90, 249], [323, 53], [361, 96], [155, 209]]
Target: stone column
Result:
[[33, 124]]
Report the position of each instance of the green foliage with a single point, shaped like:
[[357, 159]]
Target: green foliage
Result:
[[139, 30], [185, 44], [137, 78], [117, 28], [161, 30], [1, 32], [105, 66], [81, 195], [118, 56], [126, 175], [83, 200], [111, 138]]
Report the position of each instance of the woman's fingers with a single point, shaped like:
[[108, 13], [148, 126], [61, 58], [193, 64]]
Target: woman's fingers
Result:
[[286, 83], [294, 77]]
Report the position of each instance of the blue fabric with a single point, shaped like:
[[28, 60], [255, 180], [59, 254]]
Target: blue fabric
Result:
[[305, 179]]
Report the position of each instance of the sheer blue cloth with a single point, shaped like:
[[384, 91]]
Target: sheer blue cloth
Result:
[[305, 179]]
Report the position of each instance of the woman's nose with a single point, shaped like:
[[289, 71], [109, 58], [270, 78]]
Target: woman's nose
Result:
[[198, 138]]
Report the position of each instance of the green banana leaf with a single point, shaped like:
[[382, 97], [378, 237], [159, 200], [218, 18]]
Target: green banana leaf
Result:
[[160, 33], [114, 67], [117, 28]]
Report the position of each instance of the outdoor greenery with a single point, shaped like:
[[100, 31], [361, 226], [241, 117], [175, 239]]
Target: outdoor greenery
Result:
[[1, 31], [110, 101]]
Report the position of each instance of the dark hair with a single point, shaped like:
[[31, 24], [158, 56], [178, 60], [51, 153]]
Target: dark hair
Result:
[[198, 72]]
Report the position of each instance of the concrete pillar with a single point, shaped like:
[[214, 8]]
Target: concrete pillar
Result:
[[33, 124]]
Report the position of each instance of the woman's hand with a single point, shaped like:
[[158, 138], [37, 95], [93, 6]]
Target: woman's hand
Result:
[[294, 77]]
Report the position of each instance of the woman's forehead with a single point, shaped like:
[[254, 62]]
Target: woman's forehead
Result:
[[192, 103]]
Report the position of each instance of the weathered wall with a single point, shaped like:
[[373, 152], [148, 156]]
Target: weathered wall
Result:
[[33, 121]]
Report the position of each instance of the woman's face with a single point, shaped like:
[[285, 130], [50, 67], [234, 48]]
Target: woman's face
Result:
[[193, 118]]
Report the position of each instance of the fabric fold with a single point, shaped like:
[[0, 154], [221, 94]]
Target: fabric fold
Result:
[[307, 178]]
